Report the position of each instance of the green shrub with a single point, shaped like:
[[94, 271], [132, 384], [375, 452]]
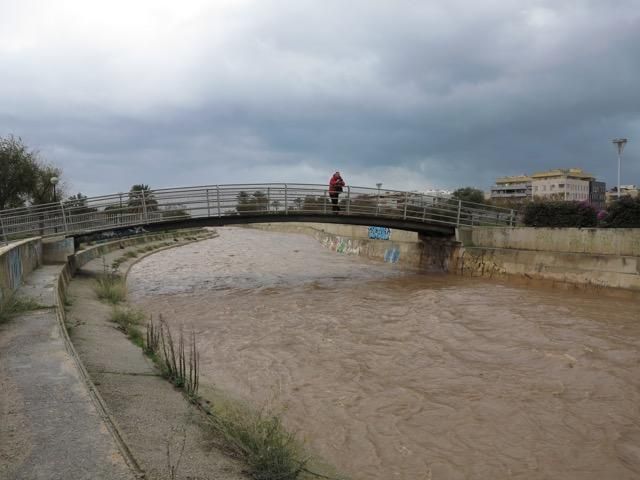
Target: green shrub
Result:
[[560, 214], [623, 213], [111, 288], [261, 440]]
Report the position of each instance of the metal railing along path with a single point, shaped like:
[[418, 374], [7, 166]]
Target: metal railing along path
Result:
[[136, 208]]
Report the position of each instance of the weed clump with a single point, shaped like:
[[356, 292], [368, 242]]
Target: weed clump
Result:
[[257, 437], [129, 322], [111, 288], [261, 440], [180, 363], [13, 306]]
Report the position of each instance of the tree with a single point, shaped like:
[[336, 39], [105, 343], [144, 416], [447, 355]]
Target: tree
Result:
[[315, 204], [469, 194], [77, 205], [175, 211], [256, 202], [560, 214], [18, 172], [261, 201], [623, 213], [24, 179], [141, 196], [43, 191]]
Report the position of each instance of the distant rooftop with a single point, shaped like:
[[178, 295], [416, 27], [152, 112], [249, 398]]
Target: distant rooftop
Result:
[[513, 179], [564, 172]]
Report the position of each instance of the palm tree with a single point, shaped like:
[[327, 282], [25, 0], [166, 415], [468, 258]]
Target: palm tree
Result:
[[141, 196]]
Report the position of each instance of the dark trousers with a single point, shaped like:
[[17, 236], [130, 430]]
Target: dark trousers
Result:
[[334, 200]]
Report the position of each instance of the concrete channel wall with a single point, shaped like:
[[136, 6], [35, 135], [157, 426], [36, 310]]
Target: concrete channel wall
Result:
[[589, 258], [585, 258], [85, 255], [17, 260], [395, 246], [596, 241]]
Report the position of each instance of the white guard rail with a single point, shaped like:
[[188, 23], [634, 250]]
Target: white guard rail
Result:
[[73, 217]]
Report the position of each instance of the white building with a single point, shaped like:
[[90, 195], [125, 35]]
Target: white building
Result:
[[561, 184]]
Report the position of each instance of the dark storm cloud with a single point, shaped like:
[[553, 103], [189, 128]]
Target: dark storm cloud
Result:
[[413, 94]]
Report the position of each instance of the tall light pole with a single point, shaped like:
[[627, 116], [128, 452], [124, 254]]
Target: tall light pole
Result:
[[54, 182], [619, 143]]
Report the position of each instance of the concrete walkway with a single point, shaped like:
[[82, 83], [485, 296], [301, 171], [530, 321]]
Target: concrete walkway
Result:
[[161, 428], [51, 426]]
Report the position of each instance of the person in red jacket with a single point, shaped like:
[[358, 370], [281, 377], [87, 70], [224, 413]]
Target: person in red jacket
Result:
[[335, 188]]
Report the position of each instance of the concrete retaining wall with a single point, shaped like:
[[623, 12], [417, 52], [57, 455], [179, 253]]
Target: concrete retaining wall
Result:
[[597, 241], [87, 254], [404, 248], [586, 258], [17, 260]]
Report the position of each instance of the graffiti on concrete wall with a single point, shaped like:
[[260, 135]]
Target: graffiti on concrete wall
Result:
[[342, 245], [14, 265], [392, 255], [379, 233]]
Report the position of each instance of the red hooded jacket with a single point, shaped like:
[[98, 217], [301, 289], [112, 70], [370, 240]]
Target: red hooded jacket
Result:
[[336, 183]]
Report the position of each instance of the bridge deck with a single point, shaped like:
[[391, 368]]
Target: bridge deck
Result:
[[237, 204]]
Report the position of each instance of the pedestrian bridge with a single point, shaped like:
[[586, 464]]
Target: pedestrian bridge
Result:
[[218, 205]]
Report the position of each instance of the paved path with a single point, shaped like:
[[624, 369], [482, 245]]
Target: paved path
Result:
[[152, 415], [50, 426]]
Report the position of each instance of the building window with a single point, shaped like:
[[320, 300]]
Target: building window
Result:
[[561, 185]]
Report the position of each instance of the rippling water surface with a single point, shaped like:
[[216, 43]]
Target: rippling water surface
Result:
[[393, 374]]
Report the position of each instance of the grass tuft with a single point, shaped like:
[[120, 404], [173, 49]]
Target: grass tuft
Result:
[[129, 322], [111, 288], [260, 439], [15, 306]]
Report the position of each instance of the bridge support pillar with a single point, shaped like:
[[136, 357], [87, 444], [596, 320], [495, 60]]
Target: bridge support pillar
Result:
[[438, 253], [57, 249]]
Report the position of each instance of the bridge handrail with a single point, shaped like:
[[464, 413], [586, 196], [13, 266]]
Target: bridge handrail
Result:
[[134, 208]]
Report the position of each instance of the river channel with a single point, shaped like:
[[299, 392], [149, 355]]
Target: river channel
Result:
[[397, 374]]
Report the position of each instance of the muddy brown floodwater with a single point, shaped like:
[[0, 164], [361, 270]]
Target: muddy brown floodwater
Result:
[[393, 374]]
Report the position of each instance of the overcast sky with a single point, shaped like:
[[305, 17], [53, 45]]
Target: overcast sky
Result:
[[414, 94]]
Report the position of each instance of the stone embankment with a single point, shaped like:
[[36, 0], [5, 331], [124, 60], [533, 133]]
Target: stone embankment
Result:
[[566, 257]]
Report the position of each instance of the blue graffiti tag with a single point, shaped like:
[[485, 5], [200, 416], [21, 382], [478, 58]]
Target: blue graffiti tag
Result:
[[392, 255], [15, 269], [379, 233]]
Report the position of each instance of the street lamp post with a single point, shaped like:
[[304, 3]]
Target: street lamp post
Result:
[[54, 182], [120, 209], [619, 143]]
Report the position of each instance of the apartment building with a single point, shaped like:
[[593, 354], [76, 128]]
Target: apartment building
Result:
[[597, 194], [513, 188], [625, 191], [571, 184]]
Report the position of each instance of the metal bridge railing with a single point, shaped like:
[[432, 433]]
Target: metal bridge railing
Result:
[[170, 204]]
